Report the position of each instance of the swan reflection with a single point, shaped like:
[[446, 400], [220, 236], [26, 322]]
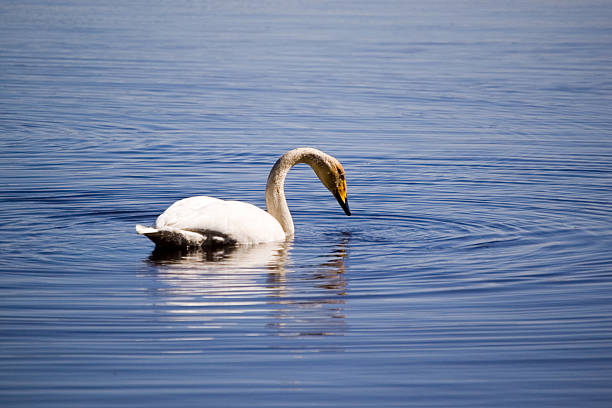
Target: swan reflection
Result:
[[255, 287]]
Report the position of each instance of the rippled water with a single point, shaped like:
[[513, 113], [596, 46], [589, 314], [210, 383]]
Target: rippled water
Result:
[[476, 269]]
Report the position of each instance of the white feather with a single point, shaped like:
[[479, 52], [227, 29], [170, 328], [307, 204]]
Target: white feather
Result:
[[240, 221]]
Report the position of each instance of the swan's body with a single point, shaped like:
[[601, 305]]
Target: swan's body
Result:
[[206, 221]]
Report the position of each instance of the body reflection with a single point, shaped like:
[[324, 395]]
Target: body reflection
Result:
[[254, 288]]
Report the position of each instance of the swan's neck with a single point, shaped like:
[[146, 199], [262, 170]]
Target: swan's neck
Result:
[[276, 203]]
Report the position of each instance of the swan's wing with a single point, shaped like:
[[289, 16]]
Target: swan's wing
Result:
[[241, 222], [185, 212]]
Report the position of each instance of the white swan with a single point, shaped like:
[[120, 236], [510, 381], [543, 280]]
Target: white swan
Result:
[[206, 221]]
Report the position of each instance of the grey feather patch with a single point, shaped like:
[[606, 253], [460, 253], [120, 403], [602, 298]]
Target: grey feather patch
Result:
[[215, 238], [175, 238]]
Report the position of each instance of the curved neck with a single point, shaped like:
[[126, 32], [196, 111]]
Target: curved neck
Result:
[[276, 202]]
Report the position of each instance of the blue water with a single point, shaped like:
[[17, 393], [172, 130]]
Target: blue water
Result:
[[476, 270]]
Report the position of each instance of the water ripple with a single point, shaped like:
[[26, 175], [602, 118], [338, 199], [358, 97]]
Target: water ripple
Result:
[[475, 270]]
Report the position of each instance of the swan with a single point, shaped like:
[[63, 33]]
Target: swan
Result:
[[203, 221]]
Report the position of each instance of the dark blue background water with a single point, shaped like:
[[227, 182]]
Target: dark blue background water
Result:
[[475, 271]]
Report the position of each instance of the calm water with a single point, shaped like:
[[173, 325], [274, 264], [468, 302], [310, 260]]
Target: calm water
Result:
[[475, 271]]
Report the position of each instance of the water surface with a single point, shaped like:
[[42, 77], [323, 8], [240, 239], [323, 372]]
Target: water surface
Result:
[[475, 271]]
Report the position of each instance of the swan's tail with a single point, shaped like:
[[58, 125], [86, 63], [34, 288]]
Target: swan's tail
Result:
[[142, 230], [178, 238]]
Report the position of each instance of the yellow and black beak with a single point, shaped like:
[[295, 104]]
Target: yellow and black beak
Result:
[[343, 201]]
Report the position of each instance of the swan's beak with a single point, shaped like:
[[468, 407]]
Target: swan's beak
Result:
[[343, 203]]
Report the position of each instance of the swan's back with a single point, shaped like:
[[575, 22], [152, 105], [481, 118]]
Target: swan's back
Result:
[[203, 221]]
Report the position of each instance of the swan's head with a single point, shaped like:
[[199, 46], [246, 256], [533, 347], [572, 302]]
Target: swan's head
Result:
[[331, 174]]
